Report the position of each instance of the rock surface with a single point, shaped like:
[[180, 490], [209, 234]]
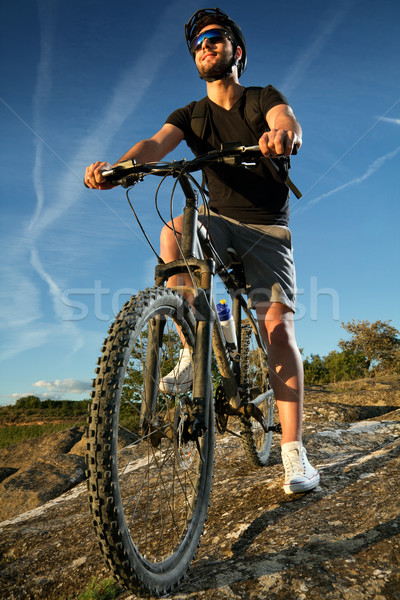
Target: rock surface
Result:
[[340, 541], [35, 471]]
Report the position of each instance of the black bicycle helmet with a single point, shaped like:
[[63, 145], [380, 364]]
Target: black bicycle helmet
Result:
[[206, 16]]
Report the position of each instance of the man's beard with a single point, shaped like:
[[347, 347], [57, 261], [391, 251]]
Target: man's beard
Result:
[[218, 70]]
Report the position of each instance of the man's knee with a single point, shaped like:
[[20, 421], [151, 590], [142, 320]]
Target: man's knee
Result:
[[168, 236], [165, 235], [276, 320], [280, 334]]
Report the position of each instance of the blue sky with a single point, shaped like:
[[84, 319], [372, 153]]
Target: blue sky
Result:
[[84, 80]]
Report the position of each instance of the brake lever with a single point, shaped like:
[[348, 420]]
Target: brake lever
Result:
[[131, 180]]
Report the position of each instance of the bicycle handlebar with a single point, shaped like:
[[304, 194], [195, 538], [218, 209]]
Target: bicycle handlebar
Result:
[[129, 172]]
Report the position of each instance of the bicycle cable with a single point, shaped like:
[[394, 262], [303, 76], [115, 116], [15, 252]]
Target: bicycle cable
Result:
[[183, 172], [160, 260]]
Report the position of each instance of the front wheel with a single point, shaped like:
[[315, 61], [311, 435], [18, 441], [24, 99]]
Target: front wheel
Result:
[[254, 381], [149, 481]]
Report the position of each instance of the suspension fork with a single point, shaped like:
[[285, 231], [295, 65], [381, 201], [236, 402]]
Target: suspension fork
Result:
[[202, 391], [237, 317], [203, 270], [151, 369], [204, 313]]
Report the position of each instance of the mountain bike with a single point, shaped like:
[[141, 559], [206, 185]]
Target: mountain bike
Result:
[[150, 453]]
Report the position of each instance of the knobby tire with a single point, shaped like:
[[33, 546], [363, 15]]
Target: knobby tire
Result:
[[254, 381], [149, 484]]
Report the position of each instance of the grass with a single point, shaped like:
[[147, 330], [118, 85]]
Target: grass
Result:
[[99, 590], [14, 434]]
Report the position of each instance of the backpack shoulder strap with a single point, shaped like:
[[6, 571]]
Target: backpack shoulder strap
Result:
[[199, 117], [198, 123], [255, 119], [252, 111]]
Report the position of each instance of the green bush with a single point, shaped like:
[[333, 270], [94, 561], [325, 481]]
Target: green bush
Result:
[[337, 366], [346, 365], [315, 370]]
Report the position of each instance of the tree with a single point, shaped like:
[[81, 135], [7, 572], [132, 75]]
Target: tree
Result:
[[315, 370], [133, 385], [28, 402], [346, 365], [379, 342]]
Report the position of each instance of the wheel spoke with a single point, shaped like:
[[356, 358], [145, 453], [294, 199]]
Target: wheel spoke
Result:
[[254, 379]]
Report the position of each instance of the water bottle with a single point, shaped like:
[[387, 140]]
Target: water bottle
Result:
[[228, 326]]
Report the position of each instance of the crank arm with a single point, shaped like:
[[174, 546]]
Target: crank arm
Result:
[[253, 411]]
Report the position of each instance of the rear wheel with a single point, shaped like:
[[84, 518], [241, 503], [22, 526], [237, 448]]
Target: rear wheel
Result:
[[149, 481], [255, 383]]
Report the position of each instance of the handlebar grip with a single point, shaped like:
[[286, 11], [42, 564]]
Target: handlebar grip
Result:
[[110, 173]]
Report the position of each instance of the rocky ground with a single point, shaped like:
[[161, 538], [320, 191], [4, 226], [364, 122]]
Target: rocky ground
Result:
[[340, 541]]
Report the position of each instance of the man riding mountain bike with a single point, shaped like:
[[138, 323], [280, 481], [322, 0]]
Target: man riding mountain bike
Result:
[[249, 210]]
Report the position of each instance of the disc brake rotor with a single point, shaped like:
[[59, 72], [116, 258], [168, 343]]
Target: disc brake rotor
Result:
[[185, 447]]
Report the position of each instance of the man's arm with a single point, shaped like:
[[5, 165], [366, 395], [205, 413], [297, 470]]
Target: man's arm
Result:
[[285, 132], [150, 150]]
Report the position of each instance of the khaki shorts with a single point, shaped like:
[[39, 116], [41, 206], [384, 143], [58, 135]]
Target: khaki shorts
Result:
[[267, 255]]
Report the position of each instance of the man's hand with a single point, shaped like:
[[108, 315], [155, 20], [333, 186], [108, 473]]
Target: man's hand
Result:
[[94, 178], [278, 142]]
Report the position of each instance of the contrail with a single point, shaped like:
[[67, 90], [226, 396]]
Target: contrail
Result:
[[343, 156], [40, 97], [62, 311], [130, 90], [311, 53], [373, 168]]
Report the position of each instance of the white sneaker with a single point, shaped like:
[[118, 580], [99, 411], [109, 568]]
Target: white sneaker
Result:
[[300, 476], [180, 379]]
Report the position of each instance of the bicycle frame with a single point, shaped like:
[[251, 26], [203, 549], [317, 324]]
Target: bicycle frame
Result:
[[209, 334]]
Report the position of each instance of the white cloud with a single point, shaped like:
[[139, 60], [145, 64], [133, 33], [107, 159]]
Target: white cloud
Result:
[[62, 387], [59, 389], [389, 120]]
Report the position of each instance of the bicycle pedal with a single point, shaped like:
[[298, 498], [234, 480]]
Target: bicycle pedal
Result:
[[275, 428]]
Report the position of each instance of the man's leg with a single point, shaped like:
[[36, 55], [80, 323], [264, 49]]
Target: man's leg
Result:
[[286, 375], [180, 379], [169, 251], [285, 366]]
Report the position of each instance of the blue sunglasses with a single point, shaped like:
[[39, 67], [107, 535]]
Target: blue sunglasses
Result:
[[214, 36]]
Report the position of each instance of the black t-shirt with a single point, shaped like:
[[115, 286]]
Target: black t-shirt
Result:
[[250, 195]]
